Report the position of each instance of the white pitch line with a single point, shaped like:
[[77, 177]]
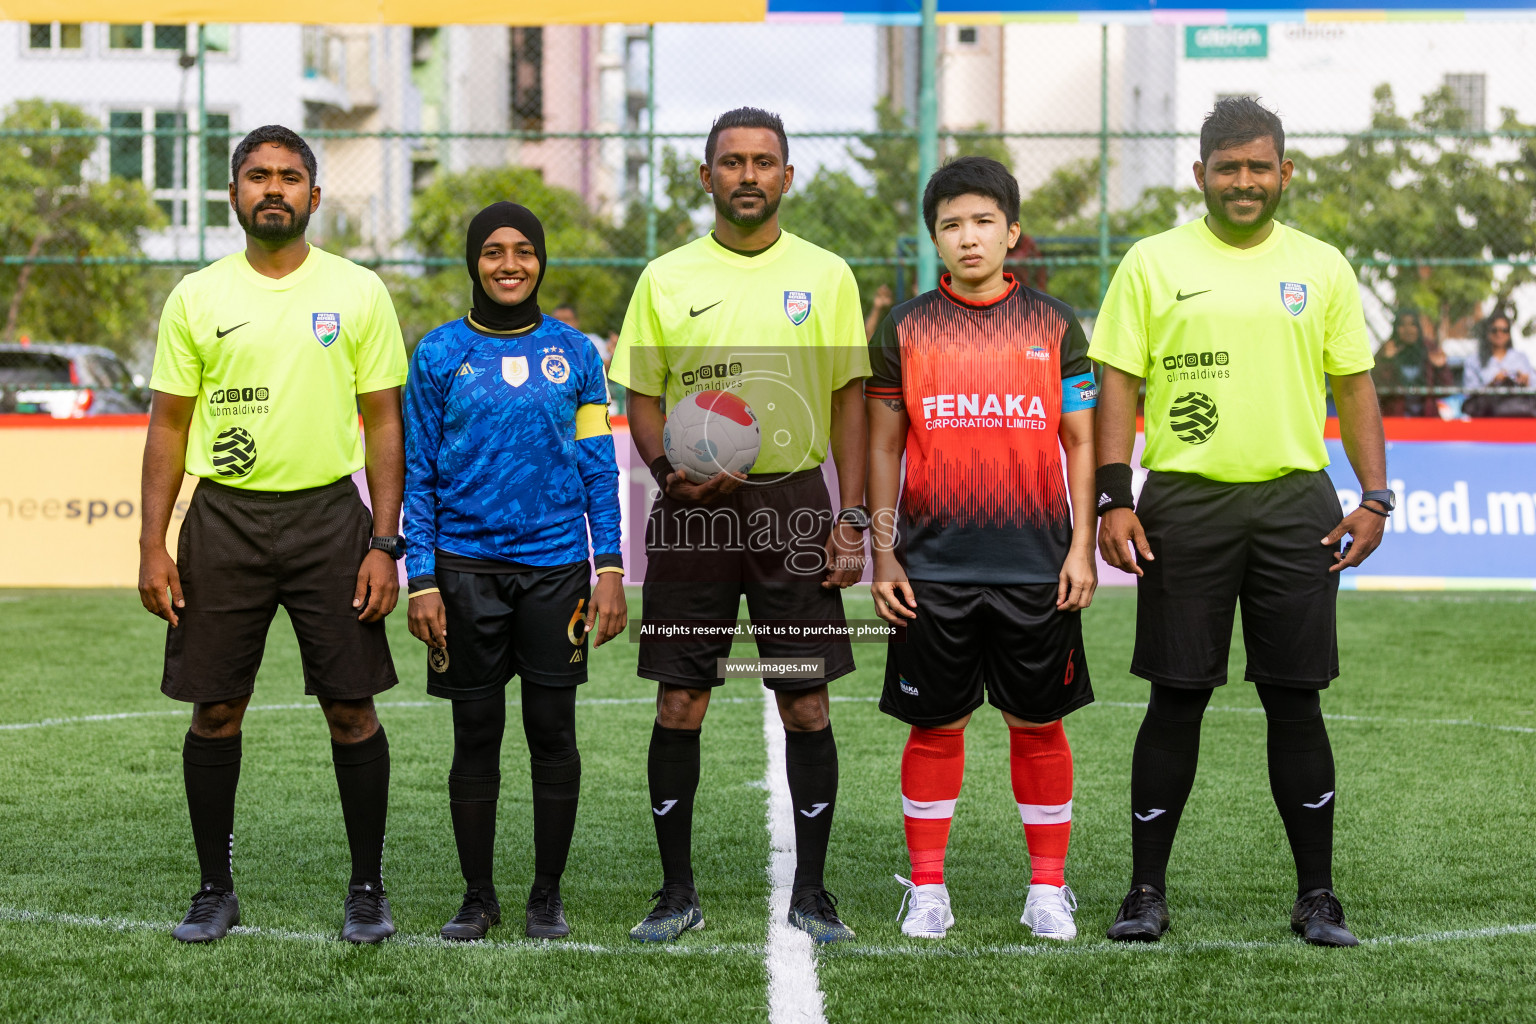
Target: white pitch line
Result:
[[121, 924], [794, 994], [1168, 946]]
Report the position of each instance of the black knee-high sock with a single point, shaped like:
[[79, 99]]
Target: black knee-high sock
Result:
[[474, 784], [556, 791], [472, 805], [549, 722], [810, 761], [1301, 778], [211, 771], [673, 769], [362, 779], [1162, 772]]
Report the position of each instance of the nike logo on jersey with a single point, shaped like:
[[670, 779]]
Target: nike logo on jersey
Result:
[[1181, 296], [706, 309], [1153, 813], [219, 334], [666, 805], [815, 810], [1326, 797]]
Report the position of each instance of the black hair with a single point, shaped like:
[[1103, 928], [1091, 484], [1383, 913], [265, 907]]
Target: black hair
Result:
[[746, 117], [971, 175], [1237, 120], [1484, 346], [284, 137]]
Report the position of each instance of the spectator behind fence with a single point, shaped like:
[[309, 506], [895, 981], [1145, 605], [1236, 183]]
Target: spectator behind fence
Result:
[[1498, 365], [1400, 363]]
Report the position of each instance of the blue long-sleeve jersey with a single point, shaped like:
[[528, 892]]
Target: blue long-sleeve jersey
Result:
[[508, 453]]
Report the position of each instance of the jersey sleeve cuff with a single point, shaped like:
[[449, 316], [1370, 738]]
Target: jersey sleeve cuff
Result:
[[419, 585], [609, 563], [1118, 361], [171, 387], [882, 391], [381, 384]]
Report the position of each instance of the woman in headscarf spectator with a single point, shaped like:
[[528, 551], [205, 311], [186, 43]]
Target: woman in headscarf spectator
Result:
[[1399, 364]]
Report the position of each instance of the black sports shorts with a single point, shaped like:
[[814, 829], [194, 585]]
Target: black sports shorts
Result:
[[243, 553], [527, 623], [1008, 643], [765, 540], [1215, 543]]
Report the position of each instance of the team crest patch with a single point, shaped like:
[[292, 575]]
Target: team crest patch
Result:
[[556, 369], [327, 327], [797, 306], [514, 370], [437, 659], [1294, 296]]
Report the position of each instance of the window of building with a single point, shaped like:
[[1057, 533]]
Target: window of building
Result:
[[1470, 93], [165, 38], [527, 75], [160, 159], [966, 35], [54, 35]]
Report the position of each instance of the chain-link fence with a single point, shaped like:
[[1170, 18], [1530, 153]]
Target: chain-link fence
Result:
[[1413, 146]]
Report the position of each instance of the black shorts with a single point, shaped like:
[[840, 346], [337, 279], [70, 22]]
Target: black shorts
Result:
[[1008, 643], [500, 625], [241, 554], [767, 541], [1215, 543]]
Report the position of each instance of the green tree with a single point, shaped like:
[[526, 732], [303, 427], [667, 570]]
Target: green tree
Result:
[[1425, 189], [440, 214], [49, 209]]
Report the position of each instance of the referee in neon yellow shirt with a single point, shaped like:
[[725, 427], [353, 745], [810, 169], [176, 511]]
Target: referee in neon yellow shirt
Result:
[[263, 361], [1234, 321]]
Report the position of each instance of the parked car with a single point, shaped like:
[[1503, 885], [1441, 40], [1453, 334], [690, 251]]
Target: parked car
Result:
[[67, 381]]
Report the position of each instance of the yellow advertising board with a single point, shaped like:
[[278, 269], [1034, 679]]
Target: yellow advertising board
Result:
[[69, 502]]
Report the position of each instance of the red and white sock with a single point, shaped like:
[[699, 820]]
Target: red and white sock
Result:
[[1041, 763], [932, 768]]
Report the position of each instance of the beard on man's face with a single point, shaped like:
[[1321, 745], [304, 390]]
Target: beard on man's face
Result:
[[725, 205], [1216, 200], [273, 229]]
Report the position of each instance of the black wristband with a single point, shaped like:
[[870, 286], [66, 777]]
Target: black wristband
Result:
[[1113, 482], [660, 469]]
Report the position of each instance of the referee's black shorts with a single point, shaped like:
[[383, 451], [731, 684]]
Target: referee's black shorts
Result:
[[765, 540], [1215, 543], [243, 553]]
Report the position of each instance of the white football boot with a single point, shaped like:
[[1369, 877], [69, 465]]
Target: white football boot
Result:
[[927, 907], [1048, 912]]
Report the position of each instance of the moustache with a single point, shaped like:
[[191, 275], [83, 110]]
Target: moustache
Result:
[[1233, 196], [748, 193], [272, 204]]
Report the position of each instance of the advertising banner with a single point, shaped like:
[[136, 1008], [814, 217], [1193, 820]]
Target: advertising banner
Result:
[[1466, 516]]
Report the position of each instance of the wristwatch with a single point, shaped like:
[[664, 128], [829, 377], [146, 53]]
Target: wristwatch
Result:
[[856, 516], [394, 547], [1385, 498]]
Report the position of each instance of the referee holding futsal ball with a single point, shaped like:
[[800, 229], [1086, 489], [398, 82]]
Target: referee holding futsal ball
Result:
[[263, 361], [1235, 321]]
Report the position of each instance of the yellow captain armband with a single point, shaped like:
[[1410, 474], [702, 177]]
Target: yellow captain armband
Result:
[[592, 421], [611, 568]]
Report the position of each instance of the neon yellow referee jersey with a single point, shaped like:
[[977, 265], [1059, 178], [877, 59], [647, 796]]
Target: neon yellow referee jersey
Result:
[[1234, 345], [783, 329], [276, 366]]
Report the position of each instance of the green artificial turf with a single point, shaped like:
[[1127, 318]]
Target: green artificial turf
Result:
[[1434, 850]]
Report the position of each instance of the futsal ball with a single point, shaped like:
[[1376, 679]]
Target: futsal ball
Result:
[[1193, 417], [711, 432], [234, 452]]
